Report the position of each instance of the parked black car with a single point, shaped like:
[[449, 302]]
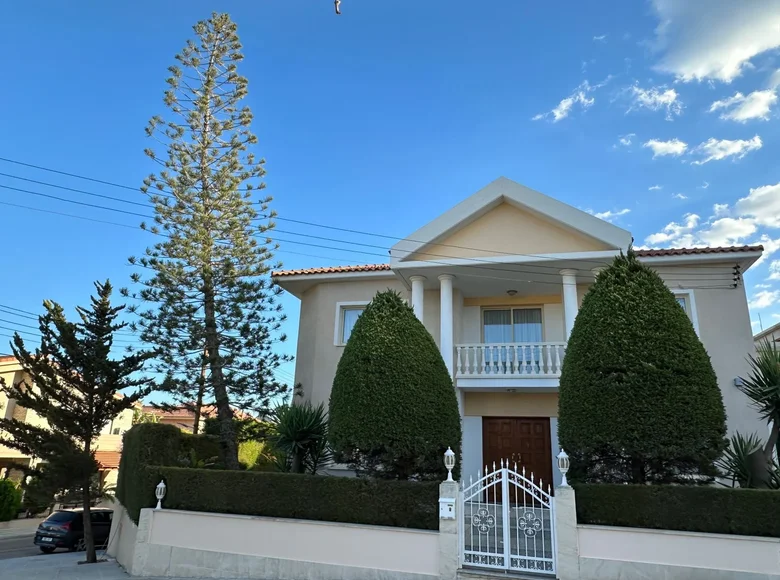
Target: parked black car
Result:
[[65, 529]]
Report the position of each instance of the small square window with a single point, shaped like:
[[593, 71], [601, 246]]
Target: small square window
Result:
[[116, 431], [348, 320]]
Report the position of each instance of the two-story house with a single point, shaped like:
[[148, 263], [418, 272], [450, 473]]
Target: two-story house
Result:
[[498, 280], [771, 335], [108, 445]]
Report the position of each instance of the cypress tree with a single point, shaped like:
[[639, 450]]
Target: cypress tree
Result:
[[639, 399], [393, 409], [77, 388], [213, 311]]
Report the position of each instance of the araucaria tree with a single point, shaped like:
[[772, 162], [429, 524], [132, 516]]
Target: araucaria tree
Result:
[[639, 400], [212, 312], [77, 387], [393, 409]]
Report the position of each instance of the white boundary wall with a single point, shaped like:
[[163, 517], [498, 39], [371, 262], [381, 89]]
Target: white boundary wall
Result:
[[207, 545], [612, 553]]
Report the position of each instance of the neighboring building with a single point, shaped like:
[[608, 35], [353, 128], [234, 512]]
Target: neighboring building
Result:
[[771, 334], [108, 446], [499, 279], [184, 418]]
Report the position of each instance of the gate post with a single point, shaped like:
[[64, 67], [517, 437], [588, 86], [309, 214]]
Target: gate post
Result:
[[449, 538], [449, 522], [566, 540]]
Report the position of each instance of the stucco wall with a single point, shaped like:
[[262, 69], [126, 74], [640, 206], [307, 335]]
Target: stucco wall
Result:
[[506, 226], [511, 404], [317, 356], [617, 553], [193, 544], [122, 537]]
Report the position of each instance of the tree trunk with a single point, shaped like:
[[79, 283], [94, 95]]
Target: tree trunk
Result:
[[227, 429], [89, 538], [201, 391], [773, 443], [637, 470]]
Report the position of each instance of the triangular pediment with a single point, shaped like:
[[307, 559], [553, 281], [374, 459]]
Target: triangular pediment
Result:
[[506, 218]]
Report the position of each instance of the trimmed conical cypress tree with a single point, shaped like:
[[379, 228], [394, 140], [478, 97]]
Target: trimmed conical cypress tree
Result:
[[639, 400], [393, 409]]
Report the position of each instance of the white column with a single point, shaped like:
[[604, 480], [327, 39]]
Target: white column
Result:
[[446, 342], [418, 295], [570, 305], [599, 270], [567, 547]]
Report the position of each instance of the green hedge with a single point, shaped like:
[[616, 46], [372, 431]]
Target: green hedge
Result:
[[286, 495], [748, 512], [10, 500]]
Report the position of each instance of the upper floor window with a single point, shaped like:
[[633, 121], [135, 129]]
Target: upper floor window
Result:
[[512, 325], [685, 300], [347, 314]]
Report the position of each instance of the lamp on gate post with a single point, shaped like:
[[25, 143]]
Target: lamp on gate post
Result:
[[563, 466], [449, 462], [159, 492]]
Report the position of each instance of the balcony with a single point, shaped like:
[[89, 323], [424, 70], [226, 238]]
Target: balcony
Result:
[[514, 361]]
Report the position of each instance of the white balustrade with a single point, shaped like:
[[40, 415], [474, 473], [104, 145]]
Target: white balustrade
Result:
[[516, 359]]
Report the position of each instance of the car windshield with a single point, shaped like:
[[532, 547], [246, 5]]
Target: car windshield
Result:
[[60, 517]]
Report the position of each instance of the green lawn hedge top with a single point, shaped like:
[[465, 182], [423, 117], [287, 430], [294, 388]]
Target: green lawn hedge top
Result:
[[639, 400], [393, 409]]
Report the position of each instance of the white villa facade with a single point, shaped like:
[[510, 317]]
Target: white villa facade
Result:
[[498, 280]]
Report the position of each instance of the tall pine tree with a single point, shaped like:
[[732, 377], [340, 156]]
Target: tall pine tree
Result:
[[76, 387], [213, 314]]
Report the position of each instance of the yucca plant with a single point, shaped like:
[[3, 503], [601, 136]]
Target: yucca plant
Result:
[[736, 462], [299, 436], [763, 389]]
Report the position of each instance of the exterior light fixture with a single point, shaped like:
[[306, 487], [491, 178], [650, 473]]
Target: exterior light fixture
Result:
[[449, 462], [511, 292], [159, 492], [563, 466]]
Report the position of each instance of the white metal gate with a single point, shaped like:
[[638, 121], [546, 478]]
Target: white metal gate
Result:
[[507, 522]]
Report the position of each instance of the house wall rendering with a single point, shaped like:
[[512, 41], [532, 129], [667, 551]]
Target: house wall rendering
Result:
[[498, 281]]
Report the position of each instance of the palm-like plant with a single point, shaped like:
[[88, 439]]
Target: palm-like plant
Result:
[[736, 462], [300, 436], [763, 389]]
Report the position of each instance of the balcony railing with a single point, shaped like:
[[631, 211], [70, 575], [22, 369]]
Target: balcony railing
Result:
[[516, 359]]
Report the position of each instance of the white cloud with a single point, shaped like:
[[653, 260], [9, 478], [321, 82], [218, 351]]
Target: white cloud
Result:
[[715, 149], [728, 231], [762, 286], [714, 39], [774, 273], [764, 299], [741, 108], [655, 187], [600, 38], [770, 247], [673, 147], [774, 80], [704, 185], [763, 204], [578, 97], [676, 233], [609, 215], [720, 209], [679, 196], [626, 140], [656, 99], [776, 315]]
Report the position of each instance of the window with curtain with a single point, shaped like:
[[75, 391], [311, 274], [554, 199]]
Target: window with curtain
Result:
[[349, 317], [511, 325]]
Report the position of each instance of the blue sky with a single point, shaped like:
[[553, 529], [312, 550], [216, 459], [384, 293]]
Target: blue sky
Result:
[[659, 115]]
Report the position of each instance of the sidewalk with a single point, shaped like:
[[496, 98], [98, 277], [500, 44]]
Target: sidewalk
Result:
[[17, 528], [64, 566]]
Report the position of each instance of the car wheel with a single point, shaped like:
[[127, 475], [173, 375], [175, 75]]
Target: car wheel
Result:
[[47, 549]]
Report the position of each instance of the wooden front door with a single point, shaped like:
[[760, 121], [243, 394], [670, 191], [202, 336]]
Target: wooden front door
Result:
[[521, 440]]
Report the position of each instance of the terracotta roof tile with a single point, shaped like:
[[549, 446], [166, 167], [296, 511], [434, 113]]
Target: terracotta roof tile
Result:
[[640, 253], [108, 459], [332, 270], [692, 251]]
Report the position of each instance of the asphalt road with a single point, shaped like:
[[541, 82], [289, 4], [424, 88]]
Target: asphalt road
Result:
[[18, 547]]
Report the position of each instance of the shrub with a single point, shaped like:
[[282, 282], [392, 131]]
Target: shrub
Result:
[[705, 509], [250, 453], [300, 496], [393, 409], [144, 444], [299, 435], [10, 500], [639, 400]]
